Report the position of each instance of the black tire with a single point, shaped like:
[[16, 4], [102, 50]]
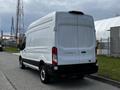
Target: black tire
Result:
[[44, 77], [1, 49], [21, 65]]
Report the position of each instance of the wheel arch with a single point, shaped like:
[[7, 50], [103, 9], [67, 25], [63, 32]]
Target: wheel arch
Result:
[[20, 57], [41, 63]]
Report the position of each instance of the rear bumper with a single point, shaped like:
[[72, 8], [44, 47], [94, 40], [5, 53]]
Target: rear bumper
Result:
[[82, 69]]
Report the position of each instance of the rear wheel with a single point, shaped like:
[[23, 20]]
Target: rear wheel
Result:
[[44, 77], [21, 65]]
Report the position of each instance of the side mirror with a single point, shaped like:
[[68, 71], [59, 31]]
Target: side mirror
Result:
[[22, 46], [22, 43]]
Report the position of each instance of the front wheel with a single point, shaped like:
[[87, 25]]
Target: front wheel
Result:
[[21, 65], [44, 77]]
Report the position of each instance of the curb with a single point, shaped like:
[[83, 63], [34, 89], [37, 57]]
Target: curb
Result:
[[104, 80], [17, 54]]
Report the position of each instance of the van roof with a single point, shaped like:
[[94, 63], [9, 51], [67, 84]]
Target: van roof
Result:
[[42, 19], [52, 16]]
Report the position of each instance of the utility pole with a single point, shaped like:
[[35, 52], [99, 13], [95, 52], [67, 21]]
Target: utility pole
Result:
[[19, 21], [12, 32]]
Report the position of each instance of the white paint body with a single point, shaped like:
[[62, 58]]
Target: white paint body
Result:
[[71, 34]]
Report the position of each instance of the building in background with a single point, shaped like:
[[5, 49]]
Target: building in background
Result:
[[7, 41], [103, 26], [103, 29], [115, 41]]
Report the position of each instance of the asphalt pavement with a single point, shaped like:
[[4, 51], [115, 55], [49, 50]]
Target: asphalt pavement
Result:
[[14, 78]]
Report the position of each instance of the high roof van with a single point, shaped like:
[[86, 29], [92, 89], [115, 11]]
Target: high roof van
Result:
[[60, 44]]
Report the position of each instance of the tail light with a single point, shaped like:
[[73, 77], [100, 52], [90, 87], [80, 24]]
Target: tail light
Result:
[[54, 56]]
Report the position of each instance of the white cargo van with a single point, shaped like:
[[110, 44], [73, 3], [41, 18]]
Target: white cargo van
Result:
[[60, 44]]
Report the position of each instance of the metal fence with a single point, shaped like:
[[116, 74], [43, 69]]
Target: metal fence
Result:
[[9, 43], [103, 46]]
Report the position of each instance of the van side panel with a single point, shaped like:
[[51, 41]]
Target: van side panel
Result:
[[39, 41]]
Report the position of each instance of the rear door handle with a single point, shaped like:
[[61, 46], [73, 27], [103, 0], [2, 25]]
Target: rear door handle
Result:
[[83, 51]]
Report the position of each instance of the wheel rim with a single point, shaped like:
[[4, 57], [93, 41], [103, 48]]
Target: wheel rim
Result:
[[42, 74]]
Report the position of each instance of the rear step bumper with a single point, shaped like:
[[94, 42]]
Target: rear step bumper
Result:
[[82, 69]]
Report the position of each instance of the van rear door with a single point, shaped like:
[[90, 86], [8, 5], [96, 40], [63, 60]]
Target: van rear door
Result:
[[86, 39], [76, 42], [67, 45], [86, 44]]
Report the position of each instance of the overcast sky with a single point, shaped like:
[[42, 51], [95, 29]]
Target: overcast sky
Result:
[[34, 9]]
